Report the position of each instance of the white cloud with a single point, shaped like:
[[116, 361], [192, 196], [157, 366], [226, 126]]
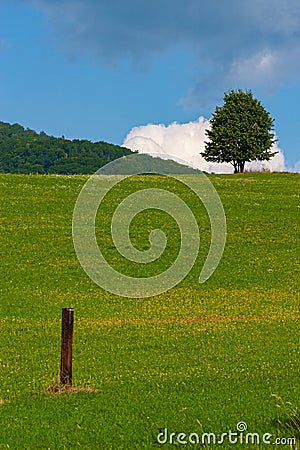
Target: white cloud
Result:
[[297, 167], [186, 141], [258, 68]]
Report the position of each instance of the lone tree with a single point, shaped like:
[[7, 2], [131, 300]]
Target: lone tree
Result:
[[240, 131]]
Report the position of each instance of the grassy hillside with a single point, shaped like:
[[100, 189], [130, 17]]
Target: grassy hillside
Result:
[[24, 151], [199, 358]]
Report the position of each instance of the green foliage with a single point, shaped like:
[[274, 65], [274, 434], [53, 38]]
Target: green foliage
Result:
[[25, 151], [147, 164], [240, 131]]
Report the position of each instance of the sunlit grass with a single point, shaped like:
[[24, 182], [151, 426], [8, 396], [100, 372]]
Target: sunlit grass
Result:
[[209, 354]]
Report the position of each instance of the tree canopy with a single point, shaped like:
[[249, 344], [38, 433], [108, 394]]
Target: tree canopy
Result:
[[241, 131], [25, 151]]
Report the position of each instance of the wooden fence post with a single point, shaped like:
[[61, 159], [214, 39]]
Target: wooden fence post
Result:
[[66, 346]]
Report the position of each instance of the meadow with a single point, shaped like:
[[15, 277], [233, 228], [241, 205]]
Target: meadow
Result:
[[196, 359]]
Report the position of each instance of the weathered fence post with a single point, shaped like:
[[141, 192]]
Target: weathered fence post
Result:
[[66, 346]]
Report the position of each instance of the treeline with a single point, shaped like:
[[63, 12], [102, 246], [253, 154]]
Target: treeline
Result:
[[146, 164], [25, 151]]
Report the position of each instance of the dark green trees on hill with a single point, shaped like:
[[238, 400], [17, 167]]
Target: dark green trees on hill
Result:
[[25, 151]]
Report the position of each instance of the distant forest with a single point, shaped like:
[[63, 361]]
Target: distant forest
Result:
[[25, 151]]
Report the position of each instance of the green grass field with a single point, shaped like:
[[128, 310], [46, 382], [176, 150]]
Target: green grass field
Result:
[[198, 358]]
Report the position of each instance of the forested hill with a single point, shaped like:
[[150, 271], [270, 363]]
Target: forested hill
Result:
[[25, 151]]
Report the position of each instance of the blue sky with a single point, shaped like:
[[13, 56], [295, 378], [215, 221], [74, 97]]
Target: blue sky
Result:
[[96, 69]]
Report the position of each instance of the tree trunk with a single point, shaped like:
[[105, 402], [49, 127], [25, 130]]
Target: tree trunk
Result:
[[239, 167]]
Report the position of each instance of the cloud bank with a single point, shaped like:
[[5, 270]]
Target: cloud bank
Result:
[[233, 44], [186, 141], [297, 166]]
